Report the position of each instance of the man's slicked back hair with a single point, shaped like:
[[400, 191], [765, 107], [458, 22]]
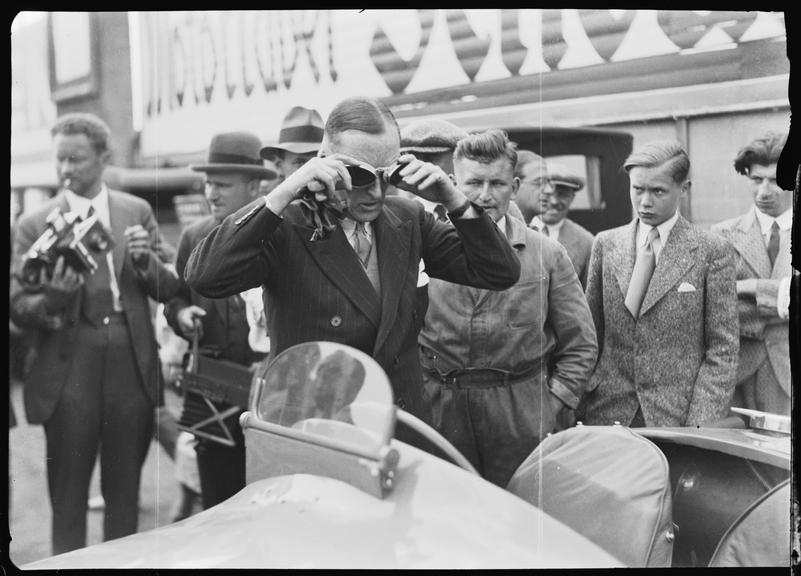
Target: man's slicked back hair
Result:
[[658, 153], [361, 114], [524, 158], [486, 147], [93, 127], [765, 151]]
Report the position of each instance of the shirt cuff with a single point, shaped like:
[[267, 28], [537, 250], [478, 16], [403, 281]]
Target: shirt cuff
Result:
[[563, 393], [783, 298]]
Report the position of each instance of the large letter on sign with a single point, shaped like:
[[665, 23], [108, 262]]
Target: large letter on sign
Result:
[[397, 72]]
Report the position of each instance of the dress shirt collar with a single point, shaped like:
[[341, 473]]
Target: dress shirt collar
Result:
[[501, 224], [349, 225], [664, 230], [784, 220], [81, 205]]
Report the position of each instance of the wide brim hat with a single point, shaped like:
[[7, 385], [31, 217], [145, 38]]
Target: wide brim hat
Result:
[[301, 133], [559, 175], [235, 152], [430, 136]]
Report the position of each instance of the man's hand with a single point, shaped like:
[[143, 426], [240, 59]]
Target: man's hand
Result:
[[747, 288], [138, 241], [59, 288], [430, 182], [318, 175], [186, 319]]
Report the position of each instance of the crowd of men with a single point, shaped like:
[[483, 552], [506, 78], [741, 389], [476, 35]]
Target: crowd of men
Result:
[[497, 319]]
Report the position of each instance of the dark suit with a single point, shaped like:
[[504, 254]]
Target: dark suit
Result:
[[763, 372], [225, 327], [318, 290], [577, 240], [677, 360], [93, 383]]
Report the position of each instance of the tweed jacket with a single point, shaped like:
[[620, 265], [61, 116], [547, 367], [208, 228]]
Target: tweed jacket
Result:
[[225, 325], [678, 359], [764, 336], [55, 349], [577, 240], [316, 289]]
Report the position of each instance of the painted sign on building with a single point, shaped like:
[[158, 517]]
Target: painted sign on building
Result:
[[202, 72]]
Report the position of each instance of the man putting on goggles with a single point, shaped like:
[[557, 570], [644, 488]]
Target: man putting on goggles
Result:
[[342, 262]]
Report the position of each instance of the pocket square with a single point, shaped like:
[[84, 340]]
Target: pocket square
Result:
[[686, 287]]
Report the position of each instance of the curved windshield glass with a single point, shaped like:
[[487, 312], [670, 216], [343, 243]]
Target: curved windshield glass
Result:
[[327, 390]]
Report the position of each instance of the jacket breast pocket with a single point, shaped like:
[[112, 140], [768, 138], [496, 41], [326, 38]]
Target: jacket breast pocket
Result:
[[526, 304]]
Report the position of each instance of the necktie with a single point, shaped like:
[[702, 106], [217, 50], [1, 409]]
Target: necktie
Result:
[[641, 275], [98, 299], [544, 230], [441, 213], [361, 243], [773, 243]]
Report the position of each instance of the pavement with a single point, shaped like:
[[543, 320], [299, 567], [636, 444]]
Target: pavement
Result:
[[30, 514]]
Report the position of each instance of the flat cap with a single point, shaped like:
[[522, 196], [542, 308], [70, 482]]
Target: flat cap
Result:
[[560, 175], [431, 136]]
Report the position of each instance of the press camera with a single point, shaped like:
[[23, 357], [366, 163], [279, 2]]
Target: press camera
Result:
[[80, 241]]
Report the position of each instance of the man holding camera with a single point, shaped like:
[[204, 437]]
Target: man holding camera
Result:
[[96, 378], [343, 263]]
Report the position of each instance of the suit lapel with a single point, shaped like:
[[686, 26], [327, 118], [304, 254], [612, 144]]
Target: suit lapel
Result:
[[622, 256], [117, 217], [782, 266], [749, 243], [674, 260], [337, 260], [393, 239]]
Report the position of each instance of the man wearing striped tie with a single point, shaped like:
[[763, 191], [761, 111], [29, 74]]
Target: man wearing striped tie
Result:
[[761, 238], [662, 295]]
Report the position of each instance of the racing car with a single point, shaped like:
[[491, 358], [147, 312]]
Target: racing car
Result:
[[329, 487]]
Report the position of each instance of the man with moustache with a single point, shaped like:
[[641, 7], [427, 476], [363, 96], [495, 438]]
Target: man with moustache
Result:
[[342, 263], [662, 296], [761, 238], [96, 378], [233, 173], [500, 367]]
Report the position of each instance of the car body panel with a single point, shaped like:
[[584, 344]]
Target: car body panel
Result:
[[437, 516], [749, 444]]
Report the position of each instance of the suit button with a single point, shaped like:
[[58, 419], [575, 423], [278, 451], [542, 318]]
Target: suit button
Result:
[[105, 321], [395, 361], [401, 404], [336, 321]]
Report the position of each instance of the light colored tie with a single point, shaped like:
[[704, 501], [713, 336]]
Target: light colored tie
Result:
[[361, 243], [641, 274]]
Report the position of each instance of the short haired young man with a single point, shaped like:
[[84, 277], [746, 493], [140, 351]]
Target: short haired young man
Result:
[[353, 279], [499, 367], [663, 299], [761, 238]]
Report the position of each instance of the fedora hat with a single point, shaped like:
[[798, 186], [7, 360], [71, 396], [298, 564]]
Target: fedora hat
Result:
[[430, 136], [301, 133], [235, 152]]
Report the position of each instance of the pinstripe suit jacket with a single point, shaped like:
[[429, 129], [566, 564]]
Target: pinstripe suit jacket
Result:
[[55, 349], [764, 337], [678, 359], [318, 290]]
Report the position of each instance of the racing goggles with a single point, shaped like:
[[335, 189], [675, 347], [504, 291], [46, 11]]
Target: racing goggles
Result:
[[364, 175]]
